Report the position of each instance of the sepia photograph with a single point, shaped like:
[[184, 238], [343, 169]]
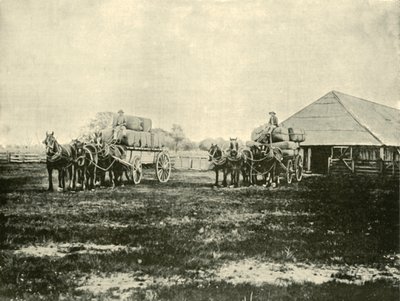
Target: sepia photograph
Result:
[[213, 150]]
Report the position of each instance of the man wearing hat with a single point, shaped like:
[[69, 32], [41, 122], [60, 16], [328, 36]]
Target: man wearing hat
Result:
[[272, 123], [119, 126], [273, 120]]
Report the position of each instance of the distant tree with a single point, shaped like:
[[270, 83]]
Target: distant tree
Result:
[[101, 121], [206, 143], [188, 145], [177, 135]]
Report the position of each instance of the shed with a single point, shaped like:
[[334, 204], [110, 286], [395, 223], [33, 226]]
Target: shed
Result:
[[347, 134]]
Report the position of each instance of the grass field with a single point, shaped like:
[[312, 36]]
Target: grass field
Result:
[[323, 239]]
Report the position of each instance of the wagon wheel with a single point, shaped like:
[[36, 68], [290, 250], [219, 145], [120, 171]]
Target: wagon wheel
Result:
[[163, 167], [289, 171], [298, 165], [136, 169]]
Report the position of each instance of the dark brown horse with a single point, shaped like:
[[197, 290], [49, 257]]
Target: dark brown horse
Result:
[[86, 163], [216, 157], [111, 158], [105, 160], [266, 164], [247, 166], [61, 158]]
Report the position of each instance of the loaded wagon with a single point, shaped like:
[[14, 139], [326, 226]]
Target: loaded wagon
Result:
[[138, 158], [142, 149], [276, 154]]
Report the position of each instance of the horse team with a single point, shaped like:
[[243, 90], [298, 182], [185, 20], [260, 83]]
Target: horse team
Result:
[[84, 164], [249, 162]]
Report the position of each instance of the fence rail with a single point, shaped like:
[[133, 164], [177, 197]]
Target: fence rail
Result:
[[8, 157], [190, 162]]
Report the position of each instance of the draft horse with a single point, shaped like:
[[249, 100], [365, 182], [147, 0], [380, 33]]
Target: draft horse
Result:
[[86, 164], [61, 158], [234, 162], [215, 156], [111, 158]]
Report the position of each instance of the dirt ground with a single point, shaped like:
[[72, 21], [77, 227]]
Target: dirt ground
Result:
[[322, 239]]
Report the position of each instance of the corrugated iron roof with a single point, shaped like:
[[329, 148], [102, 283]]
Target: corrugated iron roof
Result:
[[341, 119]]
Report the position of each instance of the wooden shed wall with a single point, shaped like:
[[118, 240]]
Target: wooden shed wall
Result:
[[362, 160]]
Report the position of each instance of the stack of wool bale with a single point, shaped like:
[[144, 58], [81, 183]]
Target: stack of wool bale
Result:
[[286, 139], [138, 133]]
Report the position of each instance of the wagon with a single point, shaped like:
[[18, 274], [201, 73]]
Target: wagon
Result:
[[271, 163], [138, 158]]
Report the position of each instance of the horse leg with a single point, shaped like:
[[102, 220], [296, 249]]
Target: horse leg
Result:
[[61, 179], [225, 175], [216, 176], [236, 181], [50, 172], [92, 174], [74, 167]]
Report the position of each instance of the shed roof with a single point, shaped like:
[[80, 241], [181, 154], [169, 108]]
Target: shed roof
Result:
[[341, 119]]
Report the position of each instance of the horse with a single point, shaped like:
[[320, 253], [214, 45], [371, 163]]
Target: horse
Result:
[[86, 163], [247, 166], [265, 162], [105, 160], [215, 156], [60, 157], [234, 162], [111, 157]]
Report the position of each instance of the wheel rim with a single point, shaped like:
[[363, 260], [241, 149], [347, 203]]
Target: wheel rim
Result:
[[137, 170], [163, 167], [289, 171], [299, 169]]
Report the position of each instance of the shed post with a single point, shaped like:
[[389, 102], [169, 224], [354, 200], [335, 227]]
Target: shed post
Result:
[[309, 159], [382, 159]]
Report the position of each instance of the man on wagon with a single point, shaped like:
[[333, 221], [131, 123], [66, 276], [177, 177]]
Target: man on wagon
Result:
[[272, 123], [273, 120], [119, 126]]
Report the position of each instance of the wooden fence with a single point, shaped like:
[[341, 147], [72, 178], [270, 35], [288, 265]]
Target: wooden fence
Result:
[[190, 162], [8, 157]]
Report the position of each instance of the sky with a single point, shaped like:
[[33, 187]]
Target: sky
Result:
[[214, 67]]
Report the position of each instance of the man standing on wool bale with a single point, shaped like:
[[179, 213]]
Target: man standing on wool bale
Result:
[[119, 126]]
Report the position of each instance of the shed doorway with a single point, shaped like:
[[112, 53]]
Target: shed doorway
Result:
[[319, 159]]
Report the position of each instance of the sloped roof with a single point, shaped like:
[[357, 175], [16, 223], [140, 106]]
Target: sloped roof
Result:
[[340, 119]]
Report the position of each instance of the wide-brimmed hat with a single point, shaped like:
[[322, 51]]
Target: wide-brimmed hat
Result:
[[120, 111], [272, 113]]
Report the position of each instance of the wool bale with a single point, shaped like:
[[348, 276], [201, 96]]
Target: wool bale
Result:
[[145, 139], [258, 133], [134, 123], [297, 135], [285, 145], [146, 124], [280, 134], [158, 140], [132, 138]]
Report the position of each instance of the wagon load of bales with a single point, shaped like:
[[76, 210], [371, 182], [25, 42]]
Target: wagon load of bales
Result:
[[135, 123], [278, 134], [136, 138]]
